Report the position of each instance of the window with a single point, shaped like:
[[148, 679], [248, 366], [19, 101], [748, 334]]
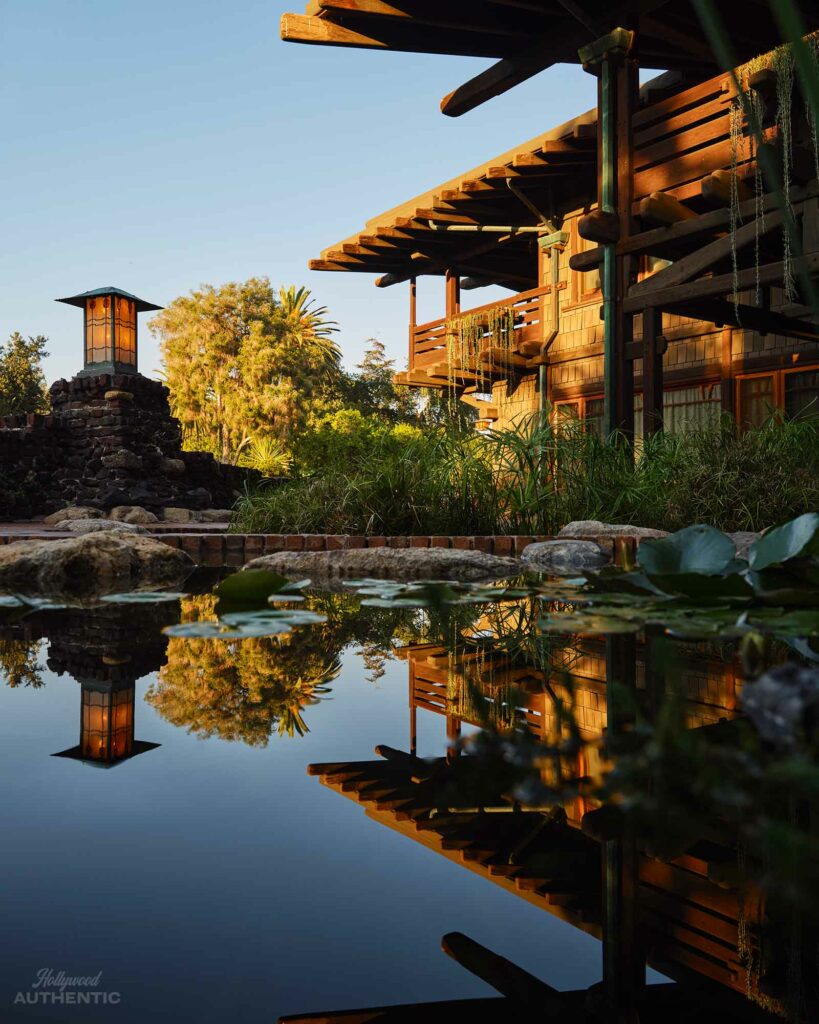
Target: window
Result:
[[755, 400], [802, 394], [693, 408]]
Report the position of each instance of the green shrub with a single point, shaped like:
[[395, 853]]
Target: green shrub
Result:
[[537, 476], [402, 481]]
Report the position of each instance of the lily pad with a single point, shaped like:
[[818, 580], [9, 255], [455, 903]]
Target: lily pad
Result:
[[798, 537], [696, 549], [253, 586], [142, 597]]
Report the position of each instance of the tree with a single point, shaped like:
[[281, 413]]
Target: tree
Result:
[[244, 364], [371, 390], [22, 382]]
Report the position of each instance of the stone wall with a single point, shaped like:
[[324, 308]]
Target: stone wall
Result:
[[109, 440]]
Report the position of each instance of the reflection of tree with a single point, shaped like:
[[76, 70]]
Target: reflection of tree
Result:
[[245, 689], [19, 664], [242, 689]]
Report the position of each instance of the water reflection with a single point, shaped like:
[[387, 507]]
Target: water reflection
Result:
[[607, 781]]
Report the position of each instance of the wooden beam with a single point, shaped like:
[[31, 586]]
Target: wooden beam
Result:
[[704, 258], [382, 34], [721, 312], [661, 208], [722, 284]]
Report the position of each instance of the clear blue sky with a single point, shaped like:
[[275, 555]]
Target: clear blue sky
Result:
[[160, 145]]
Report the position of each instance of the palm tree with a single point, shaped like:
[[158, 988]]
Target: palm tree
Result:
[[307, 323]]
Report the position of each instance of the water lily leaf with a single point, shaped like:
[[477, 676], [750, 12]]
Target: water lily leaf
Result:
[[612, 580], [142, 597], [251, 585], [699, 587], [587, 621], [240, 625], [779, 586], [695, 549], [798, 537], [10, 601]]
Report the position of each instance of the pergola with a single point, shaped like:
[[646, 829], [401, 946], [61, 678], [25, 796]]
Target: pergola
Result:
[[610, 40]]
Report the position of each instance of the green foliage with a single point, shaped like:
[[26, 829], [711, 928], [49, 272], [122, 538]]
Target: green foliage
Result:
[[396, 481], [536, 477], [22, 384], [244, 365]]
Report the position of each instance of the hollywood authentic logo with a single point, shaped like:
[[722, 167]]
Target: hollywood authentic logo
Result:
[[55, 988]]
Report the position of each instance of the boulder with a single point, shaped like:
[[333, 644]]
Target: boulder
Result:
[[178, 515], [214, 515], [389, 563], [564, 557], [172, 467], [594, 528], [132, 514], [72, 512], [82, 567], [122, 459], [743, 540], [101, 526]]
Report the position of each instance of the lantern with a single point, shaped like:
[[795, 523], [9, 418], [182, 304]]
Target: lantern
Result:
[[110, 337], [106, 726]]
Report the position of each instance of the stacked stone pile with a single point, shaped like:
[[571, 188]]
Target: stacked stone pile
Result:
[[109, 441]]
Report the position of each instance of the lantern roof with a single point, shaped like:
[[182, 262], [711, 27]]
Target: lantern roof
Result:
[[79, 300]]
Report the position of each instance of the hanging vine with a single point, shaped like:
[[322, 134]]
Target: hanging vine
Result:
[[469, 334], [744, 149]]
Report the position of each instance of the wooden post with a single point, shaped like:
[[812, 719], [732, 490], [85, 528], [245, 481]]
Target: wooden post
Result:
[[413, 321], [623, 959], [453, 293], [617, 95], [726, 372], [652, 372], [625, 99]]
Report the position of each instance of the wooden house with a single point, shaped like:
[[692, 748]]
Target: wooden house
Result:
[[706, 305]]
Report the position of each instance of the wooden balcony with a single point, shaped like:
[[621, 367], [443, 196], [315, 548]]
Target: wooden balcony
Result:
[[437, 354]]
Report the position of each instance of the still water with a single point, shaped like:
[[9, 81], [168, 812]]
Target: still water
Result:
[[248, 827], [210, 877]]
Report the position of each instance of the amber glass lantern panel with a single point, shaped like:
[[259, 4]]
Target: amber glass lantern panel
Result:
[[99, 330], [125, 328], [107, 727]]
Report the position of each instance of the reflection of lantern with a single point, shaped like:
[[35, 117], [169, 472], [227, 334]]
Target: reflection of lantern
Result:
[[107, 726], [110, 329]]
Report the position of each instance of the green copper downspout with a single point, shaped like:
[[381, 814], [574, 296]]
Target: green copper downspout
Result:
[[602, 57]]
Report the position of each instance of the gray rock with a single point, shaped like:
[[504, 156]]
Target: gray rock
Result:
[[214, 515], [83, 526], [81, 567], [178, 515], [595, 528], [564, 557], [72, 512], [743, 541], [389, 563], [132, 514], [122, 459], [172, 467]]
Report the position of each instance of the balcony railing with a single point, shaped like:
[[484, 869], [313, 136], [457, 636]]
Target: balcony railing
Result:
[[437, 341]]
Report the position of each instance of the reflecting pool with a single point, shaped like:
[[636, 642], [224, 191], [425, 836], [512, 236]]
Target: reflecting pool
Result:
[[201, 828]]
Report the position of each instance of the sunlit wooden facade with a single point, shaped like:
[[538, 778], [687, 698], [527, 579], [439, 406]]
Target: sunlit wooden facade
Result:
[[535, 222]]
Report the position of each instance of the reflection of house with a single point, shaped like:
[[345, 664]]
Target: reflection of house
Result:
[[692, 926], [521, 221]]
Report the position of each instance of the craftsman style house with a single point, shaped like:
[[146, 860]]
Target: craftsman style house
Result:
[[704, 257]]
